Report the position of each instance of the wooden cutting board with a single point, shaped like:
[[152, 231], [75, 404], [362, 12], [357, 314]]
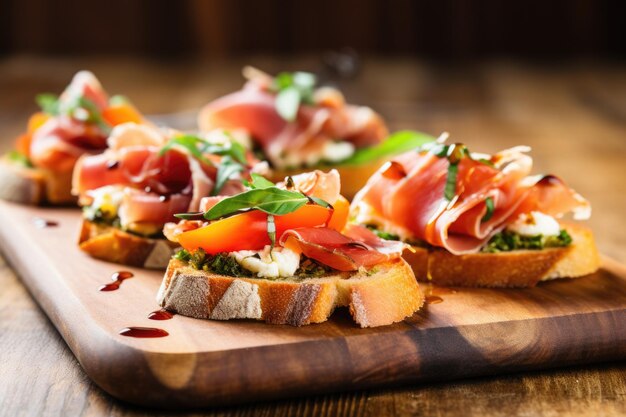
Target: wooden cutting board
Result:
[[470, 332]]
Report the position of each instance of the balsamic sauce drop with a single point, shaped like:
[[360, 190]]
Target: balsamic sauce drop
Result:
[[41, 223], [143, 332], [117, 278], [433, 299], [160, 315]]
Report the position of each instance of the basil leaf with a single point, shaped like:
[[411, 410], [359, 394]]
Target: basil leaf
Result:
[[225, 171], [450, 189], [49, 103], [188, 142], [198, 215], [118, 100], [268, 200], [260, 182], [19, 158], [490, 208], [320, 202], [288, 102], [395, 144], [271, 230]]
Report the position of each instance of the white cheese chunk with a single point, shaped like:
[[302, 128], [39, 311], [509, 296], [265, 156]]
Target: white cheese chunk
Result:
[[106, 199], [535, 223], [269, 263]]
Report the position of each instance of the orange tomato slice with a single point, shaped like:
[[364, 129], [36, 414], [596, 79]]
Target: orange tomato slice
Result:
[[121, 113], [248, 231], [37, 120]]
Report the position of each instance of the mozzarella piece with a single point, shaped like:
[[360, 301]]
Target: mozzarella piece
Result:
[[107, 199], [269, 263], [535, 223]]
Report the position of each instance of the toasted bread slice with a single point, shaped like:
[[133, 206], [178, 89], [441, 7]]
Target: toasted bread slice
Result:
[[33, 185], [386, 294], [114, 245], [520, 268]]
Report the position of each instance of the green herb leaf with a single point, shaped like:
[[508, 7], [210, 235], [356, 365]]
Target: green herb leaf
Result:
[[395, 144], [118, 100], [271, 230], [182, 255], [49, 103], [319, 202], [291, 90], [490, 208], [225, 171], [269, 200], [288, 102], [260, 182], [193, 144], [450, 189], [198, 215], [19, 158]]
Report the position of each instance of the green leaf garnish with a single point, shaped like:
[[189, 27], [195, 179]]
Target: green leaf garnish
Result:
[[507, 241], [19, 158], [193, 144], [49, 103], [288, 102], [271, 230], [490, 208], [320, 202], [395, 144], [292, 89], [450, 188], [197, 215], [226, 170], [270, 200], [260, 182]]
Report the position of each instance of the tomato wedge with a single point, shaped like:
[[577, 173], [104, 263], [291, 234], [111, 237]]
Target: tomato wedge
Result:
[[249, 230], [121, 113]]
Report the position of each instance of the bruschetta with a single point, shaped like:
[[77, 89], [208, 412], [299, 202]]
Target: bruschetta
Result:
[[39, 168], [478, 220], [282, 254]]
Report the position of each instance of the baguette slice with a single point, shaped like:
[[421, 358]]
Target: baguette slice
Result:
[[388, 294], [520, 268], [34, 186], [114, 245]]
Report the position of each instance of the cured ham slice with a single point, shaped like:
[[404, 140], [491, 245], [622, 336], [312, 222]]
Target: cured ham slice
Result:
[[335, 249], [62, 139], [410, 193], [139, 207], [254, 109]]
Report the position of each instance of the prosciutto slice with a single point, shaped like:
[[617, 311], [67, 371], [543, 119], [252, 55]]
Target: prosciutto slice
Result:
[[337, 250], [155, 186], [61, 140], [409, 193], [253, 109]]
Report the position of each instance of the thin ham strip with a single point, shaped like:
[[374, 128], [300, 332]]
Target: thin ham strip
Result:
[[335, 249]]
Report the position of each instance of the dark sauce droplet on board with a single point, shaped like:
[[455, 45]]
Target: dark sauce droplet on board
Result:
[[160, 315], [143, 332], [117, 278], [164, 198], [43, 223], [433, 299]]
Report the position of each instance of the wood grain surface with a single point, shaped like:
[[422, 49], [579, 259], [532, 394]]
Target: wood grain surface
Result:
[[573, 116]]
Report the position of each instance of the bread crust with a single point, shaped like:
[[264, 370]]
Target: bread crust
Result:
[[518, 269], [34, 186], [114, 245], [387, 295]]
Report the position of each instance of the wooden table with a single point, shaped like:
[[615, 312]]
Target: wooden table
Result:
[[573, 116]]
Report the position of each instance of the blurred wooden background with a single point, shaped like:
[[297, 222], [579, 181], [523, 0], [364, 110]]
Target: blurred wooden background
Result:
[[447, 29]]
